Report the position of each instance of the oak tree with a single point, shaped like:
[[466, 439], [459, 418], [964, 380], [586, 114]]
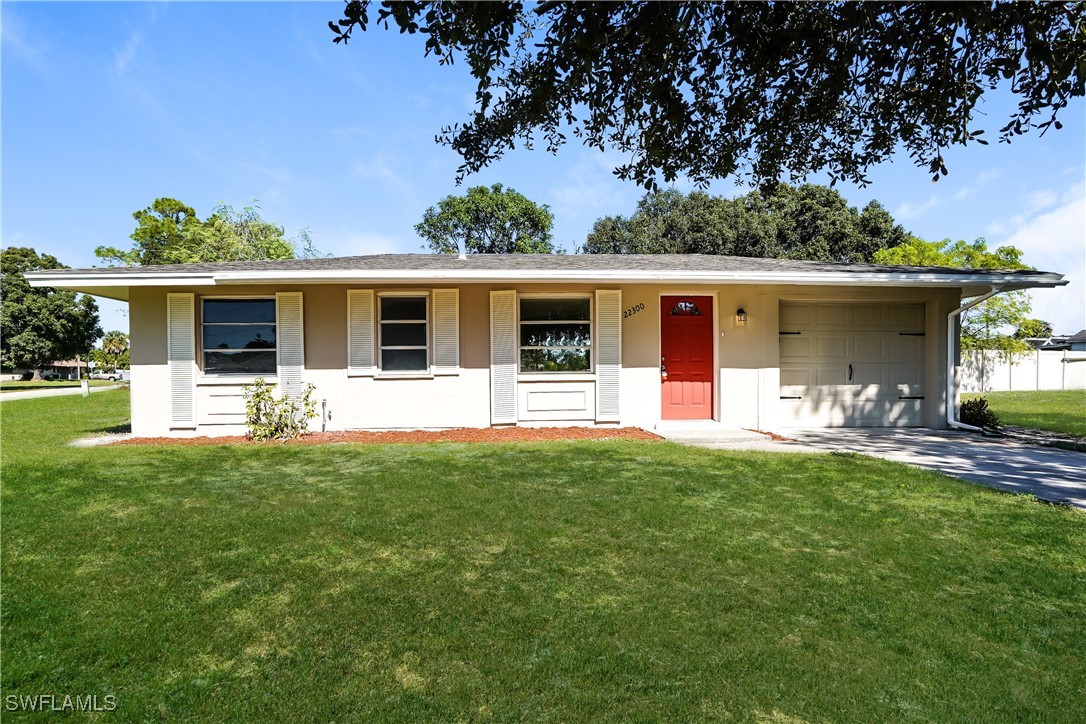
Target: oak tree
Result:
[[40, 325], [487, 220], [809, 222], [773, 90]]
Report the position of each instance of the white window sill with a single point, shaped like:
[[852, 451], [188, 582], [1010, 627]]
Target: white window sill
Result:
[[403, 376], [234, 380], [556, 377]]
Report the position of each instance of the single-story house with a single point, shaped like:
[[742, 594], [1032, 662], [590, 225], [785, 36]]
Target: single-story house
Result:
[[69, 369], [440, 341], [1073, 342]]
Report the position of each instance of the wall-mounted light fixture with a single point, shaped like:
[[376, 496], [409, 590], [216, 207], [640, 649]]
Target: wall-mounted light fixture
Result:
[[740, 316]]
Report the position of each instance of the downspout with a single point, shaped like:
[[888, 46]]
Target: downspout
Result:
[[951, 377]]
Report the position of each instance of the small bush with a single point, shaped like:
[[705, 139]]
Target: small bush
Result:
[[268, 418], [976, 413]]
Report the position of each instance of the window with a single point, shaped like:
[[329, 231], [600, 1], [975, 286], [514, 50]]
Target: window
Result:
[[404, 334], [239, 336], [555, 334], [685, 309]]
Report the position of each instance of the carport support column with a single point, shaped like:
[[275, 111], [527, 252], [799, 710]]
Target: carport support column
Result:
[[952, 350]]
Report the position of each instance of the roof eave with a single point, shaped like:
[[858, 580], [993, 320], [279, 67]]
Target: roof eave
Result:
[[88, 283]]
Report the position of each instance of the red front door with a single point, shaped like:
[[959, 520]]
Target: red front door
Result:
[[686, 350]]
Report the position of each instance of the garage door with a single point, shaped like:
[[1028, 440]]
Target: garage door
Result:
[[851, 364]]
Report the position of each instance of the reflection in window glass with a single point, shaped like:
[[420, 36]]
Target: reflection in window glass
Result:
[[238, 336], [555, 335], [685, 309]]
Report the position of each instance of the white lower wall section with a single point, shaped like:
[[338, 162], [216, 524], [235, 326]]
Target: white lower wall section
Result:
[[150, 400], [220, 405], [566, 401], [461, 400]]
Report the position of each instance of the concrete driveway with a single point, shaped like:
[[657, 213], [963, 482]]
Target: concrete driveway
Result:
[[1049, 473]]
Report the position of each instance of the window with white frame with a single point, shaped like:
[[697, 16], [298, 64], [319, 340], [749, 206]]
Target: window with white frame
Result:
[[555, 334], [404, 334], [238, 336]]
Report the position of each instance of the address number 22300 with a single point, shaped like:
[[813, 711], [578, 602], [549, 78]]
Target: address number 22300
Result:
[[633, 310]]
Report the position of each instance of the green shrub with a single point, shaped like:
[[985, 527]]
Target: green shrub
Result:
[[268, 418], [975, 412]]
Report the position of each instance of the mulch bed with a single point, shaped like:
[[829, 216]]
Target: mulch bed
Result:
[[467, 434]]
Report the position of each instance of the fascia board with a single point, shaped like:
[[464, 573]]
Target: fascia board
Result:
[[539, 276], [581, 276], [118, 280]]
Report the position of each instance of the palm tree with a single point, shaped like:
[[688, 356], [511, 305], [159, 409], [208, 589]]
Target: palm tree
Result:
[[114, 344]]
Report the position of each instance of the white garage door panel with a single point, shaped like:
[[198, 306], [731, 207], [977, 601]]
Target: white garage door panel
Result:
[[838, 413], [884, 345]]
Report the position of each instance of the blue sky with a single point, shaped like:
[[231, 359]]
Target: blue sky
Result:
[[106, 106]]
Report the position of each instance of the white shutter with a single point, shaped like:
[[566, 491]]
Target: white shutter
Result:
[[181, 358], [503, 357], [446, 331], [608, 345], [360, 333], [289, 341]]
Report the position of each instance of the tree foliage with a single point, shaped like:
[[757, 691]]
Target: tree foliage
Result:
[[113, 353], [808, 222], [775, 90], [486, 220], [41, 325], [1033, 328], [992, 324], [169, 232]]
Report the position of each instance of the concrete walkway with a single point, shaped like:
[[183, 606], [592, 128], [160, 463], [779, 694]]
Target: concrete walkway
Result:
[[56, 392], [1049, 473]]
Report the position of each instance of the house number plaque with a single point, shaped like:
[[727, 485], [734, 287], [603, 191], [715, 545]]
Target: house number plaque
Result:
[[633, 310]]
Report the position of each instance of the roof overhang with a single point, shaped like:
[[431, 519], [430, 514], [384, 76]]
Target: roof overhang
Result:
[[116, 285]]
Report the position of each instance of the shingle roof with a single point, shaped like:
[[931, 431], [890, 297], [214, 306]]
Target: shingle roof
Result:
[[662, 263]]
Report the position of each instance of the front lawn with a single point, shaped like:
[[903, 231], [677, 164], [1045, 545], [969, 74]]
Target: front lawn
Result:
[[1056, 410], [553, 581]]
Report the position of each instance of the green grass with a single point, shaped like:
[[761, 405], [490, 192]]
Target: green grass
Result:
[[1056, 410], [21, 386], [562, 582]]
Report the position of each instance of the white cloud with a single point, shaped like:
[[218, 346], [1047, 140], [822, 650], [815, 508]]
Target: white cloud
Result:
[[21, 42], [1055, 240], [591, 186], [908, 210], [985, 177], [360, 243], [381, 170], [122, 57], [1043, 199]]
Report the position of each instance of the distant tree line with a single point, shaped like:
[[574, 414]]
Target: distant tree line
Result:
[[806, 222]]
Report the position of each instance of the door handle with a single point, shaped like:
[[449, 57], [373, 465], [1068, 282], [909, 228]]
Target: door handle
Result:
[[663, 370], [850, 372]]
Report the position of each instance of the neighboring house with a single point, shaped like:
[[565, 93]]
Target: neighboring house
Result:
[[437, 341], [64, 370], [1076, 342]]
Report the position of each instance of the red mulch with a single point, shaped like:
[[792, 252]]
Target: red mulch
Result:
[[467, 434], [771, 435]]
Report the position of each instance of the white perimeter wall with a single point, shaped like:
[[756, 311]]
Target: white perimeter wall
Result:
[[1036, 370]]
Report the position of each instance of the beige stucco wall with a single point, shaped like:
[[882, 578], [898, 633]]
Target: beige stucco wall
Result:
[[746, 389]]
